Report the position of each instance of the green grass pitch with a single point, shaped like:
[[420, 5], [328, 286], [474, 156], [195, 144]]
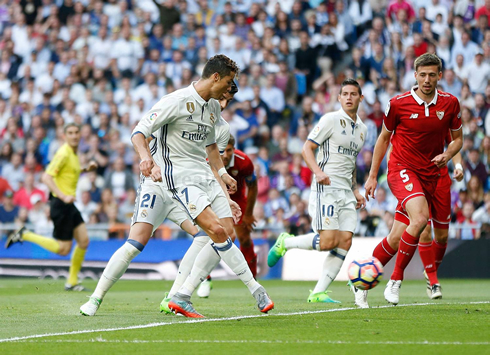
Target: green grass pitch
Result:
[[129, 321]]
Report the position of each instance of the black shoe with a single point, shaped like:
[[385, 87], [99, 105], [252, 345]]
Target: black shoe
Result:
[[15, 237]]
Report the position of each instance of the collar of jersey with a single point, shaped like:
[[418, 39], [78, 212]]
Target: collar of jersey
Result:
[[231, 164], [345, 115], [194, 93], [419, 100]]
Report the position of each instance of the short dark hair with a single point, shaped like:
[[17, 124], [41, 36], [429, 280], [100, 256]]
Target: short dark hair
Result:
[[231, 140], [428, 60], [220, 64], [350, 81], [71, 124]]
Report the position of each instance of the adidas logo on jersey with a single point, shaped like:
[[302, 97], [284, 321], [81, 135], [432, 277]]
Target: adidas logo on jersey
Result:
[[189, 118], [414, 115], [343, 132]]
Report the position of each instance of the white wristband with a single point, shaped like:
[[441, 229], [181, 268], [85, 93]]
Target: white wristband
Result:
[[221, 172], [458, 166]]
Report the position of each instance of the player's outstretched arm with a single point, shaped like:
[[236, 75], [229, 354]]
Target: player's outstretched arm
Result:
[[379, 152], [141, 147], [216, 162], [458, 173], [309, 156], [454, 147]]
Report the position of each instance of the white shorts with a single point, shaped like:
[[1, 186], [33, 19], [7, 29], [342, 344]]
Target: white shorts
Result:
[[153, 206], [333, 210], [194, 198]]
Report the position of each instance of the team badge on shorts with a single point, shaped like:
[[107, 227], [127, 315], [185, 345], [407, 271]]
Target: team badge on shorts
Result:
[[440, 114], [144, 214], [192, 207], [190, 107], [409, 187], [327, 221]]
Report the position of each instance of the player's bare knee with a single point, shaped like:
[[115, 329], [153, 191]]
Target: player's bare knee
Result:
[[345, 244], [83, 243], [441, 237], [64, 250], [328, 244], [419, 222], [218, 233]]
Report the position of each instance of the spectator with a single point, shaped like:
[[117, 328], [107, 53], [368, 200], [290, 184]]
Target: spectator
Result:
[[24, 196], [8, 210]]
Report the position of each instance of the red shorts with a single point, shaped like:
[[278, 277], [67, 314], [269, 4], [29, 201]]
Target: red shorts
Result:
[[405, 185], [439, 205]]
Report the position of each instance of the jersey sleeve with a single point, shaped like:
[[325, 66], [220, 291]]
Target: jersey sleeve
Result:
[[390, 120], [163, 112], [248, 171], [222, 136], [323, 130], [456, 116], [59, 160]]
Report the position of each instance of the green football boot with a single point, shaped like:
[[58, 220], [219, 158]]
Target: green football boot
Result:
[[164, 304], [278, 249], [321, 297]]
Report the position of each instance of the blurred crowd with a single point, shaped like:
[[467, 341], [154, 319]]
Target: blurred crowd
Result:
[[103, 64]]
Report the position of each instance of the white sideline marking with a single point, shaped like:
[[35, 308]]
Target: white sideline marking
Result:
[[205, 320], [257, 341]]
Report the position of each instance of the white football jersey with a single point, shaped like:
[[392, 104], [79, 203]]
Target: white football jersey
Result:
[[222, 132], [186, 126], [340, 140]]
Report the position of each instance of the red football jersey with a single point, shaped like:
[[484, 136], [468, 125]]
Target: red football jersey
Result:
[[420, 129], [241, 169]]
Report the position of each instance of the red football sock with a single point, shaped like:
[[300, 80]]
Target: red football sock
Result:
[[384, 252], [408, 245], [427, 256], [250, 257], [439, 250]]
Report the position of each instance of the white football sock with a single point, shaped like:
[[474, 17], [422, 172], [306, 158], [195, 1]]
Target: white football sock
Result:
[[205, 262], [331, 267], [309, 241], [234, 258], [116, 267], [188, 262]]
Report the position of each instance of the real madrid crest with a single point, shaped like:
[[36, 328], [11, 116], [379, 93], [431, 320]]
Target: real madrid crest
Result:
[[440, 114], [144, 214], [190, 106], [342, 123]]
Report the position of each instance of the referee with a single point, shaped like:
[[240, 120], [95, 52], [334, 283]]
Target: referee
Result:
[[61, 177]]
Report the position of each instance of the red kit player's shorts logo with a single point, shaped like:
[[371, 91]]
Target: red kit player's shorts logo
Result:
[[409, 187], [440, 114]]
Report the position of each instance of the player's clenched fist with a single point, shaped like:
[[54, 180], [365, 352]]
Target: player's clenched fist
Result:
[[370, 187], [156, 173], [145, 167], [322, 178], [230, 183]]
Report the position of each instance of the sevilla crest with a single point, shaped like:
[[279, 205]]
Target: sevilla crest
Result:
[[440, 114]]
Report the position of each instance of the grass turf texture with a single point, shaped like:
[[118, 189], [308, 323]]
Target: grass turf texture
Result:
[[449, 326]]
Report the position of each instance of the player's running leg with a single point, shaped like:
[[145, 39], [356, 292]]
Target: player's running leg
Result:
[[139, 235], [247, 247], [231, 255], [418, 211], [78, 256]]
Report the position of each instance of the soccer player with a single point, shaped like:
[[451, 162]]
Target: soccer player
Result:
[[61, 177], [431, 251], [416, 122], [222, 129], [186, 119], [239, 165], [334, 195]]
